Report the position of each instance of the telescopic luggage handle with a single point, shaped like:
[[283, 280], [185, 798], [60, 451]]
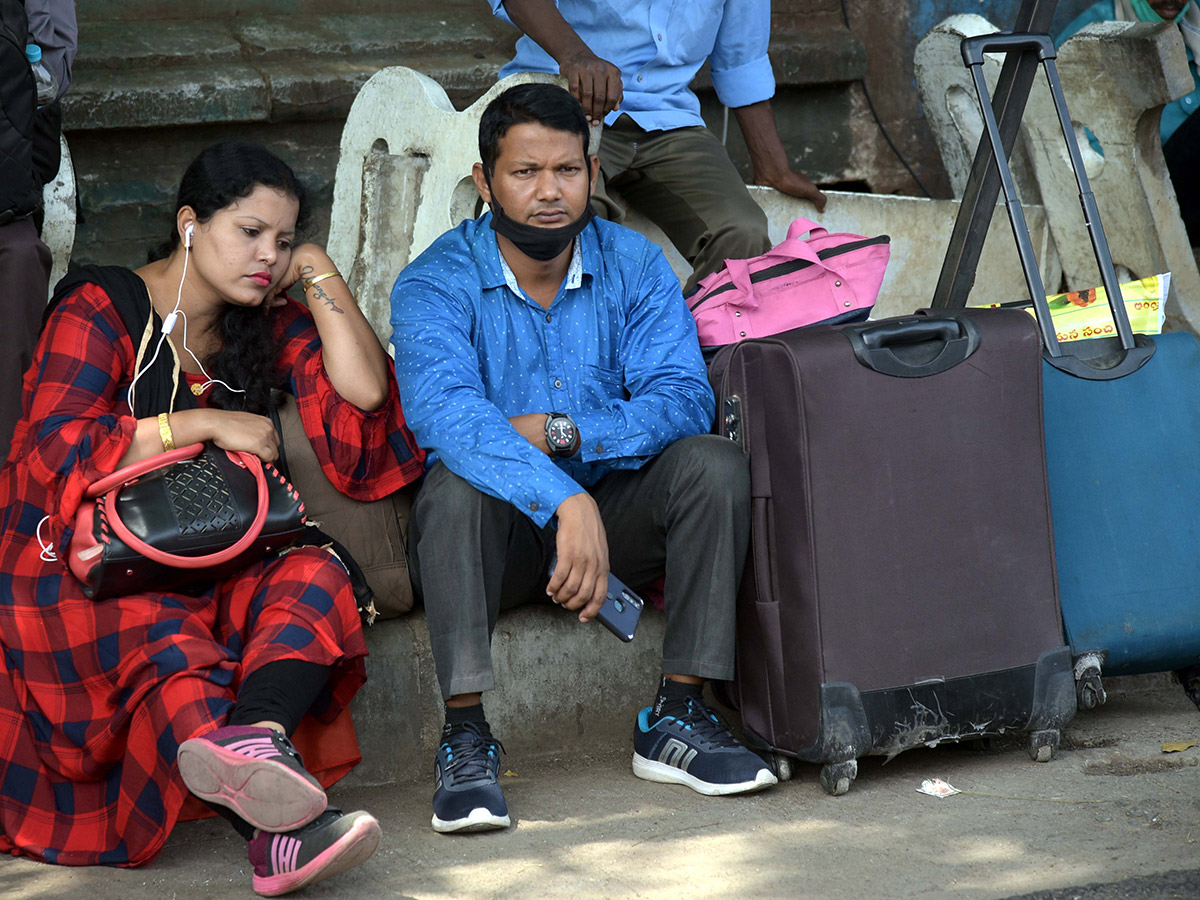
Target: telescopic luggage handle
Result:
[[1134, 351]]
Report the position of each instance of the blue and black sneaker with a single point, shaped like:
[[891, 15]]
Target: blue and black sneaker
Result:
[[696, 749], [467, 796]]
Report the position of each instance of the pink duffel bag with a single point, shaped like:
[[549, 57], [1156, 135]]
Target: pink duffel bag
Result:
[[824, 278]]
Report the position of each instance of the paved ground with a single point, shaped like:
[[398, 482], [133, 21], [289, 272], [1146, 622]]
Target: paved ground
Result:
[[1113, 807]]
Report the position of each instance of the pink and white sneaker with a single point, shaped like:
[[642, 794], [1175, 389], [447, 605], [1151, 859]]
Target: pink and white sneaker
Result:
[[256, 772], [332, 843]]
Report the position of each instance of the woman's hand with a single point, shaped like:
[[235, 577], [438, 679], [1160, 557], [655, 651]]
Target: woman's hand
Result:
[[247, 432], [228, 429], [308, 261]]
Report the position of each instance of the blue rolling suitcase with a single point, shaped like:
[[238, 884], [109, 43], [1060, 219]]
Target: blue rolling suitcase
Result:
[[1122, 427]]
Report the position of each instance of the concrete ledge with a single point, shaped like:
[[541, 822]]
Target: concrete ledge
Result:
[[560, 686]]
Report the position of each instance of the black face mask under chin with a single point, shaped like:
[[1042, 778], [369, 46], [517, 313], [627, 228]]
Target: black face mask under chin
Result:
[[537, 243]]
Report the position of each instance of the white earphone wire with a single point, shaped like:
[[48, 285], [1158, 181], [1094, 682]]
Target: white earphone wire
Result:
[[169, 325]]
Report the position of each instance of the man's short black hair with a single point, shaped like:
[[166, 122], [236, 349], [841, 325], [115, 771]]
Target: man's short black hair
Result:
[[538, 102]]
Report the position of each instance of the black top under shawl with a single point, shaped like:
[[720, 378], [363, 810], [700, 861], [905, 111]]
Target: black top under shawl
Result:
[[129, 296]]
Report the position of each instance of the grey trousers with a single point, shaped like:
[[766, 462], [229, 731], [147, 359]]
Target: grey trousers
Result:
[[25, 269], [685, 513], [684, 182]]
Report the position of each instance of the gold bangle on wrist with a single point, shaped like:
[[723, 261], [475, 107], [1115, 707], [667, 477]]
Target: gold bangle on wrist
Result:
[[164, 432], [309, 282]]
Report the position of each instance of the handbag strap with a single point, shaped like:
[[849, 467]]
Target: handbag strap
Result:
[[141, 467], [248, 461]]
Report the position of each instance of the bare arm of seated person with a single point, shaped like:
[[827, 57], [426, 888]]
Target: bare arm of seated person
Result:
[[354, 360], [768, 157], [580, 580], [595, 82], [228, 429]]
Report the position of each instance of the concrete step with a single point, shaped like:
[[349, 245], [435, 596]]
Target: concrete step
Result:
[[562, 687]]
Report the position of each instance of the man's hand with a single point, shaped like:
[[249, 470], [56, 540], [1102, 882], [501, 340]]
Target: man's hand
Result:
[[795, 183], [768, 157], [595, 82], [532, 427], [580, 579]]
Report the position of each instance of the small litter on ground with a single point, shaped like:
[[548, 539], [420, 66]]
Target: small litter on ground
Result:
[[935, 787]]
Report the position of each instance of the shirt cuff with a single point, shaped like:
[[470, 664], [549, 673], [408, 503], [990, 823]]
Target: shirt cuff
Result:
[[500, 12], [598, 440], [541, 498], [746, 84]]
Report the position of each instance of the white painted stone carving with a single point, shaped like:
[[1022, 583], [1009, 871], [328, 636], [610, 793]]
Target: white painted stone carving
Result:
[[1116, 78], [403, 178], [58, 227]]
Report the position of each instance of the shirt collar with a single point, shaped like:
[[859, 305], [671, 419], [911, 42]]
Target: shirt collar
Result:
[[495, 271]]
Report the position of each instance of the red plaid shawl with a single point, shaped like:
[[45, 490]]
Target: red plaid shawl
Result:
[[96, 697]]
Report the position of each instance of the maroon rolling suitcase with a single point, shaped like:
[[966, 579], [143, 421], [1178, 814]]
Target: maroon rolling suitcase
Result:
[[900, 588]]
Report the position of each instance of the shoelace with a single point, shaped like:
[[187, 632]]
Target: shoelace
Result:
[[706, 725], [471, 752]]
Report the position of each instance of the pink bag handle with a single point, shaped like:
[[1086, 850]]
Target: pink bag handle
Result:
[[800, 225], [791, 248], [247, 461]]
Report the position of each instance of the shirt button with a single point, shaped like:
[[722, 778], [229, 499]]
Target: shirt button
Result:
[[533, 507], [837, 284], [742, 333], [557, 383], [659, 36], [599, 448], [640, 78], [548, 317], [738, 314]]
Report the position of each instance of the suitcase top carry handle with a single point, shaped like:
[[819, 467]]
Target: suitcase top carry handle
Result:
[[1133, 354], [913, 347], [973, 48]]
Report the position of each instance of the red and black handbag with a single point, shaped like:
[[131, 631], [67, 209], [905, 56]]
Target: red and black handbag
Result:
[[180, 521]]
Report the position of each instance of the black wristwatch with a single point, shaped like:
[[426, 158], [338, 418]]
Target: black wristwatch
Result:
[[561, 434]]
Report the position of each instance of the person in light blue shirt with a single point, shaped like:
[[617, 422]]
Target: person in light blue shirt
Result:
[[1179, 128], [549, 366], [630, 63]]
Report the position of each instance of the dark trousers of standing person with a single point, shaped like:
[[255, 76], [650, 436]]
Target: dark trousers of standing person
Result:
[[686, 184], [1182, 153], [25, 274], [685, 513]]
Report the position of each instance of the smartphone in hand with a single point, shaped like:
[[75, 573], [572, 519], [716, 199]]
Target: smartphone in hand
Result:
[[621, 609]]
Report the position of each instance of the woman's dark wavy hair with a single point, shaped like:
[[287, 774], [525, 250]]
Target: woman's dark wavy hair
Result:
[[219, 176]]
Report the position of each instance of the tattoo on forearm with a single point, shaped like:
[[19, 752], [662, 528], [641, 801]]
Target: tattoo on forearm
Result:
[[321, 295]]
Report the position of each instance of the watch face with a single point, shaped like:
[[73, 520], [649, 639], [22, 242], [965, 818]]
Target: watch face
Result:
[[560, 433]]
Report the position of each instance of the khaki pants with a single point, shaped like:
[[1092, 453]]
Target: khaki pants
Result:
[[685, 183]]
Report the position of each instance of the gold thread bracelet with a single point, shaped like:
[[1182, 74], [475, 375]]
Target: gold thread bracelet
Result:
[[164, 432], [309, 282]]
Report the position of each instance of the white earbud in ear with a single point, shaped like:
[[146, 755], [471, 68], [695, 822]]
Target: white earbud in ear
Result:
[[187, 236]]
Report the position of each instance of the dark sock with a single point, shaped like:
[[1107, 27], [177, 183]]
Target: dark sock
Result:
[[240, 825], [672, 697], [461, 715], [281, 691]]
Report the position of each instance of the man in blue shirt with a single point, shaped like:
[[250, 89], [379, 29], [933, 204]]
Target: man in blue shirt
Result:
[[629, 62], [550, 367], [1179, 129]]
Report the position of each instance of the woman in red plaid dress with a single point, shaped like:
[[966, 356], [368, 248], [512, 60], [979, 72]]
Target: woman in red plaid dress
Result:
[[111, 711]]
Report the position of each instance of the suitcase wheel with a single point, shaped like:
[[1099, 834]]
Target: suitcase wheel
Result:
[[782, 765], [1089, 690], [1043, 745], [1190, 679], [837, 777]]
